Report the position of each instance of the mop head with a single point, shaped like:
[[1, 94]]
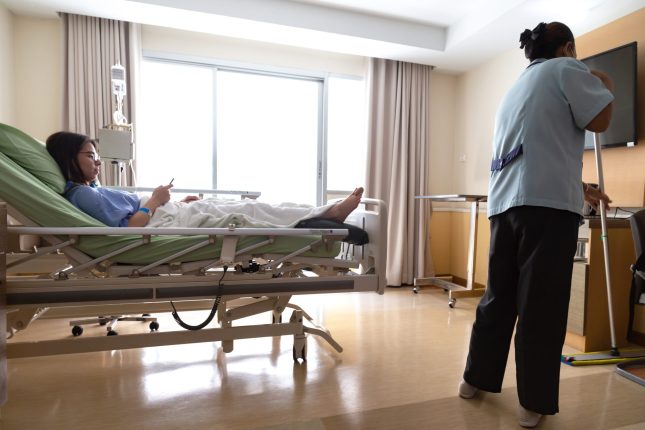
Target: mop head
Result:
[[602, 357]]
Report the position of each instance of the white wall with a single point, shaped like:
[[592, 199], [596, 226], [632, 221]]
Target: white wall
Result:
[[38, 75], [478, 93], [6, 66], [442, 133]]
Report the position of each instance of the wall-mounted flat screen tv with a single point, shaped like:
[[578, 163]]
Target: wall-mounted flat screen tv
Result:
[[620, 64]]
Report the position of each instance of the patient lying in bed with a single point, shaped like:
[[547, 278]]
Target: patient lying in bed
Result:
[[80, 164]]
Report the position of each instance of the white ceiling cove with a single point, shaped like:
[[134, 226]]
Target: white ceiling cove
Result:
[[453, 35]]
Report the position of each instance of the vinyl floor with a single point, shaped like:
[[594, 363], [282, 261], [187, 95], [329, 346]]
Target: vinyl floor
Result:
[[403, 358]]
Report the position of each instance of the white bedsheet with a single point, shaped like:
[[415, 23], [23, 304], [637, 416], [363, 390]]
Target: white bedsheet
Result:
[[242, 213]]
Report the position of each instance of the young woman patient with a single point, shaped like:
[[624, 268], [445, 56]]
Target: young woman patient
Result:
[[80, 164]]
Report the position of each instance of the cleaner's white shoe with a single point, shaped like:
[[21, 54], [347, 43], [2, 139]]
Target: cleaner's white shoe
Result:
[[528, 419], [467, 391]]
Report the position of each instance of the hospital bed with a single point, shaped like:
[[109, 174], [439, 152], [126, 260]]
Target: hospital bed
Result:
[[235, 272]]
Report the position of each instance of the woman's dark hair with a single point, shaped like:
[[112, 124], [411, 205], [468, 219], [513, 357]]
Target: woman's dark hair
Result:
[[64, 146], [544, 40]]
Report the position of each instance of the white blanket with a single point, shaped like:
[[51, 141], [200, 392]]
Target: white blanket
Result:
[[241, 213]]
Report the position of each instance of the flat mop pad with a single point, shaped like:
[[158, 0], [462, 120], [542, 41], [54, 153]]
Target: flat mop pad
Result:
[[602, 357]]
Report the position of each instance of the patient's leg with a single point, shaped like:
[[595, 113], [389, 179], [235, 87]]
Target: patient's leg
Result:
[[342, 209]]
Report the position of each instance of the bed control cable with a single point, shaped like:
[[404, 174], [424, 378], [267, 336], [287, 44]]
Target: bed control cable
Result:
[[179, 321]]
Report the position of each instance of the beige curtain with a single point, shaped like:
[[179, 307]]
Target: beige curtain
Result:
[[92, 46], [397, 161]]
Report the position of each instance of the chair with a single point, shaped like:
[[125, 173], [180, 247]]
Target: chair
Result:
[[633, 369], [637, 293], [111, 322]]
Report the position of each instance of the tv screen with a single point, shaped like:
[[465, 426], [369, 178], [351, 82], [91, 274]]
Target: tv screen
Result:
[[620, 64]]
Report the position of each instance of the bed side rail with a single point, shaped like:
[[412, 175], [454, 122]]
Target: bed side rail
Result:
[[228, 254], [199, 191], [371, 216]]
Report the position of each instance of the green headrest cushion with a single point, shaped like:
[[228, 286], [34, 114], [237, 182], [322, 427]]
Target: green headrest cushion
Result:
[[32, 156]]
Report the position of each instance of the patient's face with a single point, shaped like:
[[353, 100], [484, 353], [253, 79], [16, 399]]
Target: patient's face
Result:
[[89, 162]]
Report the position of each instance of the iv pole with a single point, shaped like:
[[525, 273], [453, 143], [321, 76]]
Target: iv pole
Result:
[[116, 138]]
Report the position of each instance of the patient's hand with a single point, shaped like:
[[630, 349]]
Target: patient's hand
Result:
[[189, 199], [160, 196]]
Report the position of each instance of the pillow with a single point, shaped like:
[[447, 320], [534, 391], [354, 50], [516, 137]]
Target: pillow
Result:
[[32, 156], [40, 204]]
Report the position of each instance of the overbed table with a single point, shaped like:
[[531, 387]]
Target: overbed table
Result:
[[446, 282]]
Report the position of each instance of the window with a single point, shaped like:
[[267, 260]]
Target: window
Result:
[[347, 136], [292, 137], [174, 126], [267, 136]]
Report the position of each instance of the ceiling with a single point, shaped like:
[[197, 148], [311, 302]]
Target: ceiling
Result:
[[453, 35]]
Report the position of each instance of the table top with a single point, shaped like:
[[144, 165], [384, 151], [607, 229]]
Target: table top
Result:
[[455, 197]]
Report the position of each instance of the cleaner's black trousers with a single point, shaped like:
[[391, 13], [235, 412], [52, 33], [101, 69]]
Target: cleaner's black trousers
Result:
[[529, 281]]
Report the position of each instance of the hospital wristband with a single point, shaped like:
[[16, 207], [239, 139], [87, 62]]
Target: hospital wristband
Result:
[[145, 211]]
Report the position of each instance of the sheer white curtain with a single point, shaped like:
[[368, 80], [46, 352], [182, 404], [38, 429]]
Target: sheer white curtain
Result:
[[91, 47], [397, 161]]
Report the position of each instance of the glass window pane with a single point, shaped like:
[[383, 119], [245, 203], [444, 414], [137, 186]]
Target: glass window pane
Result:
[[346, 135], [267, 136], [267, 131], [175, 125]]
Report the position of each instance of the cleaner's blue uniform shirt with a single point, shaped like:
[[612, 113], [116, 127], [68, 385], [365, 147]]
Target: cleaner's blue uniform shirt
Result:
[[548, 172]]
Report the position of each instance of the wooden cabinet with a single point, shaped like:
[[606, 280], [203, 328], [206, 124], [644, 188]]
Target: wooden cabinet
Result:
[[588, 325]]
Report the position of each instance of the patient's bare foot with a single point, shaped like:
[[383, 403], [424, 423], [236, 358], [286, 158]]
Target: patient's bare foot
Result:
[[341, 210]]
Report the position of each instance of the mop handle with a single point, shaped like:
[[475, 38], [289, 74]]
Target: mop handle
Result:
[[605, 241]]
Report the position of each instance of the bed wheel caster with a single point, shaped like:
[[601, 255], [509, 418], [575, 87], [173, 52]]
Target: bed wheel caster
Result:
[[77, 330], [154, 326], [112, 333], [102, 320], [452, 302]]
